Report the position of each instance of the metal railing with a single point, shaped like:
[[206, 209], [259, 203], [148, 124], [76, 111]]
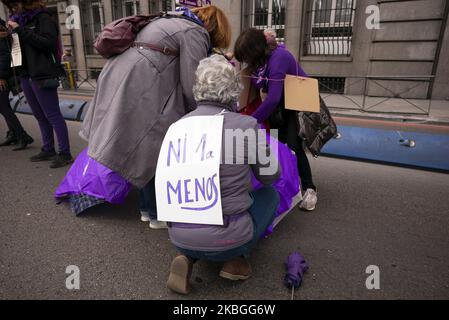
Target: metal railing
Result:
[[357, 92], [80, 79]]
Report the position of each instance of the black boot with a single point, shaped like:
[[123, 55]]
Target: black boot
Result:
[[11, 138], [23, 140], [61, 160]]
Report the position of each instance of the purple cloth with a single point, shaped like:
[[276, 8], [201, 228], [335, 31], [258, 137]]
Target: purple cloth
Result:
[[280, 63], [44, 104], [296, 267], [288, 184], [87, 176]]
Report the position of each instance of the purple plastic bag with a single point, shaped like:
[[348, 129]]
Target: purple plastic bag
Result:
[[87, 176], [288, 183]]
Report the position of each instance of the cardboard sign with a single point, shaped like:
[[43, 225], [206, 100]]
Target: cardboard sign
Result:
[[302, 94], [249, 93], [188, 172], [16, 52]]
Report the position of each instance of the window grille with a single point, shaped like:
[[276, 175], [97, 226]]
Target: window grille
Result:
[[269, 14], [329, 27]]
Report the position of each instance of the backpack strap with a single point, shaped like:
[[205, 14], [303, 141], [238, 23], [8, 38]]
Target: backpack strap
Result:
[[165, 50]]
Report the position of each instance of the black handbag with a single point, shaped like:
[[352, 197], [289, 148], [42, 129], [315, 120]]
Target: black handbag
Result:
[[48, 83], [53, 83], [277, 119]]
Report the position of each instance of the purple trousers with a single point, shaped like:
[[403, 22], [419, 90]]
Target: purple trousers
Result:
[[44, 104]]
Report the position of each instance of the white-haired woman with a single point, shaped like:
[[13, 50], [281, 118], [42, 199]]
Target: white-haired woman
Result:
[[246, 213]]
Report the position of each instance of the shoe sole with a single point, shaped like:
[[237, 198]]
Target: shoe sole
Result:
[[180, 271], [144, 219], [305, 209], [42, 160], [63, 165], [157, 228], [233, 277]]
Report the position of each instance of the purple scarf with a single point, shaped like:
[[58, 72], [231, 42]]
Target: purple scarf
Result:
[[26, 16]]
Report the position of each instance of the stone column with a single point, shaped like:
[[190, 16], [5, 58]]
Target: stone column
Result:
[[107, 11], [3, 12], [144, 7], [294, 17], [78, 44]]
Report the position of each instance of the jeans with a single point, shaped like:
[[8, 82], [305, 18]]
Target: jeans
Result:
[[44, 104], [6, 111], [288, 134], [263, 209], [147, 199]]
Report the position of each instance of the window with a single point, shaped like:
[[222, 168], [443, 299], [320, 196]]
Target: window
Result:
[[269, 14], [93, 22], [169, 5], [331, 84], [125, 8], [330, 27]]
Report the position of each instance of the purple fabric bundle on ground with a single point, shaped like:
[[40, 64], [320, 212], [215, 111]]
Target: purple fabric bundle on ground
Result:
[[288, 183], [88, 177], [296, 267]]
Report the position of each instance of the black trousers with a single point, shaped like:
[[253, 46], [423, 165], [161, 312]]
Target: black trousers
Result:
[[6, 111], [288, 134]]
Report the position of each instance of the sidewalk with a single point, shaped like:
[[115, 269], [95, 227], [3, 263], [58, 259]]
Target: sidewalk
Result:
[[404, 110], [351, 106]]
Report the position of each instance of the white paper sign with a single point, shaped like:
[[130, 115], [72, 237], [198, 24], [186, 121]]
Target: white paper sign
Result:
[[16, 52], [187, 173]]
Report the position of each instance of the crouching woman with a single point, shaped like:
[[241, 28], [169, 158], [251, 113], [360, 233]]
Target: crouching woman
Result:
[[246, 213]]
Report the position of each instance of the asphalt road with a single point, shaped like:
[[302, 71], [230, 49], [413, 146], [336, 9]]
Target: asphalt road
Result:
[[368, 214]]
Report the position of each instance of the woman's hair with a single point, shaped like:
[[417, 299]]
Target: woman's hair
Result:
[[252, 48], [217, 81], [216, 24]]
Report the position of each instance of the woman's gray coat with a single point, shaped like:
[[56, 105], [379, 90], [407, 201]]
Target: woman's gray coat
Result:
[[139, 94]]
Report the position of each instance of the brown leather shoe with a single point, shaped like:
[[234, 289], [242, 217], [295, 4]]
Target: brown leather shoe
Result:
[[179, 278], [237, 269]]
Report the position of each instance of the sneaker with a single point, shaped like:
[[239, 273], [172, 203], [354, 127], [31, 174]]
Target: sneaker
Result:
[[61, 160], [309, 200], [156, 224], [43, 156], [144, 216], [179, 278], [237, 269]]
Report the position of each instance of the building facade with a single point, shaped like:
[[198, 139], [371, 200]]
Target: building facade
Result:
[[402, 52]]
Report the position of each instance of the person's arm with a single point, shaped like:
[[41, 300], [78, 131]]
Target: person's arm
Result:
[[47, 37], [193, 46], [277, 70]]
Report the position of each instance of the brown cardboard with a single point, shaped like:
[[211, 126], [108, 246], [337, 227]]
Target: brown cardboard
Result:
[[302, 94]]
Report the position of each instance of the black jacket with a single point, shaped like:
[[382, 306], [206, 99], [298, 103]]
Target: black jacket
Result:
[[316, 129], [38, 40], [5, 55]]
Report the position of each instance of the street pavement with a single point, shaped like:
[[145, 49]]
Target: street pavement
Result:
[[368, 214]]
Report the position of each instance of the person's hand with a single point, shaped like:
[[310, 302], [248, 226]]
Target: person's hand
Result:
[[3, 85], [12, 25]]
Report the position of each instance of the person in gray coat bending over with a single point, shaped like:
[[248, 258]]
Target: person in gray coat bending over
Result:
[[246, 213], [141, 92]]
